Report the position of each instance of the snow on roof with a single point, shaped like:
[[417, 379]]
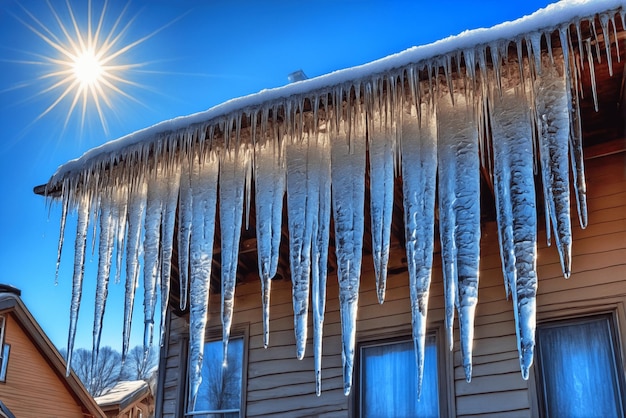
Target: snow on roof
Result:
[[547, 19], [123, 392]]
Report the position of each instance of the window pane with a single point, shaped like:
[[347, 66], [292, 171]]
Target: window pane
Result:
[[389, 381], [220, 389], [579, 370]]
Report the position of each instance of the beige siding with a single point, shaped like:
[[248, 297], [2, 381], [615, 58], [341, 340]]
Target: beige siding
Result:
[[32, 388], [278, 384]]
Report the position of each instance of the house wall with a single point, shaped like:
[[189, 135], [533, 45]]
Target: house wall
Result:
[[279, 384], [32, 388]]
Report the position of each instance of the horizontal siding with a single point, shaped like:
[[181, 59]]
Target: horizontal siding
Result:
[[32, 388], [280, 385]]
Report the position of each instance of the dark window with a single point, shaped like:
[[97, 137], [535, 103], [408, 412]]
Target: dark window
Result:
[[579, 368], [388, 380], [219, 395]]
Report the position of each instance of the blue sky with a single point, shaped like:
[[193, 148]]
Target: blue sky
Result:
[[194, 55]]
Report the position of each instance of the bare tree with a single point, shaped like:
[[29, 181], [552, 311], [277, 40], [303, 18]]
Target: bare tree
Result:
[[140, 365], [106, 373]]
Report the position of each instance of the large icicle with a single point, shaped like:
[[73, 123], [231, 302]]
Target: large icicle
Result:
[[516, 212], [269, 177], [381, 135], [167, 244], [203, 172], [136, 209], [319, 254], [348, 193], [302, 207], [419, 180], [80, 245], [157, 188], [185, 217], [459, 209], [108, 215], [235, 163], [551, 98]]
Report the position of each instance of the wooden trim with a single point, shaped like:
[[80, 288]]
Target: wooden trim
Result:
[[615, 146]]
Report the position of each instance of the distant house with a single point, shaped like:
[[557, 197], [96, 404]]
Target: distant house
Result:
[[500, 114], [128, 399], [32, 372]]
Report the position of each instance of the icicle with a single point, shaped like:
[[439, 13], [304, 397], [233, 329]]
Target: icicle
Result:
[[80, 245], [319, 255], [203, 198], [459, 208], [121, 203], [575, 139], [185, 217], [592, 73], [302, 199], [419, 179], [152, 229], [604, 21], [348, 190], [516, 213], [233, 166], [105, 253], [167, 237], [269, 178], [64, 205], [553, 122], [381, 156], [136, 208]]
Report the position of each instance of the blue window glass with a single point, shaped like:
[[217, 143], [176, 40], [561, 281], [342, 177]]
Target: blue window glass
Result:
[[219, 395], [389, 380], [579, 368]]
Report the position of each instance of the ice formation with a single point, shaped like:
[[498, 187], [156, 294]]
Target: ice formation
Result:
[[501, 101]]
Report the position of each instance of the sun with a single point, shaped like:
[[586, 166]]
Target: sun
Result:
[[88, 68], [86, 62]]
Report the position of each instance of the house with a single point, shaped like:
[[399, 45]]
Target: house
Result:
[[436, 181], [128, 399], [32, 373]]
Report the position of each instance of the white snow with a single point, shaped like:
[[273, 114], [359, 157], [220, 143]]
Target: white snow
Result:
[[420, 128]]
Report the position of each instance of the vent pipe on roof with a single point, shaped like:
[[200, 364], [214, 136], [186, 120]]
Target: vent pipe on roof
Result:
[[297, 75]]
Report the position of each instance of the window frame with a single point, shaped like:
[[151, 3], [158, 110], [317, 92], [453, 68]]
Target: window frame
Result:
[[615, 333], [213, 335], [444, 366], [5, 350]]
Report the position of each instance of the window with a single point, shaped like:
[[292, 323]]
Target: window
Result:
[[388, 380], [4, 351], [219, 395], [579, 368]]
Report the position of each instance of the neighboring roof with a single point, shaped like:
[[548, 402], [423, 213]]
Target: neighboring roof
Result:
[[11, 301], [123, 394]]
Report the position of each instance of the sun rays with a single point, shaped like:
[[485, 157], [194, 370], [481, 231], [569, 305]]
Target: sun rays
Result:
[[86, 62]]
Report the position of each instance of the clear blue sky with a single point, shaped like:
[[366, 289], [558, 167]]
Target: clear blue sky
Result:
[[199, 54]]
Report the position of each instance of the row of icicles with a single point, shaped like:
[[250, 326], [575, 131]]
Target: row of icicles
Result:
[[508, 114]]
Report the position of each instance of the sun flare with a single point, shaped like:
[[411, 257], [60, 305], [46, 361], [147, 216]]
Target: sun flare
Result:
[[86, 60]]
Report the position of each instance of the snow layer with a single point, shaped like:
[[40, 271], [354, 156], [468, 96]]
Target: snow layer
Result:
[[487, 100]]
